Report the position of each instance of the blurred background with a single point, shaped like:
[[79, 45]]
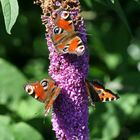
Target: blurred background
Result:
[[114, 47]]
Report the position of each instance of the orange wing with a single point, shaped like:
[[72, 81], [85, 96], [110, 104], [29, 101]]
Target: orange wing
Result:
[[36, 91], [45, 91], [98, 93], [64, 36], [64, 21]]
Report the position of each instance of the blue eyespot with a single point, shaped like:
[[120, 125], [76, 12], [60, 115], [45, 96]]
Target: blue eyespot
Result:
[[65, 49], [57, 30], [44, 84]]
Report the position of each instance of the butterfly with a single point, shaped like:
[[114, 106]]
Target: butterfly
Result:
[[45, 91], [64, 36], [97, 92]]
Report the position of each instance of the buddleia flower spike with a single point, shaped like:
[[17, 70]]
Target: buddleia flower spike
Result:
[[68, 67]]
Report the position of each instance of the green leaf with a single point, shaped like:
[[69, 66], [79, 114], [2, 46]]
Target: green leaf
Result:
[[101, 2], [136, 112], [5, 120], [36, 108], [11, 85], [112, 60], [134, 137], [94, 71], [89, 3], [117, 7], [138, 1], [112, 1], [111, 129], [128, 102], [17, 131], [5, 131], [22, 131], [36, 68], [10, 11]]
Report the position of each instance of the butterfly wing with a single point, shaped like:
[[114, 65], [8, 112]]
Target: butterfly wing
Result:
[[104, 94], [98, 93], [48, 103], [92, 94], [76, 46], [36, 91], [64, 37], [64, 21], [45, 91]]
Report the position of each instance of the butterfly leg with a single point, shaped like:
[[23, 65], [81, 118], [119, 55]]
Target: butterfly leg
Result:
[[53, 98]]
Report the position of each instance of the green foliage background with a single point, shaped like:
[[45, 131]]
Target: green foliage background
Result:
[[114, 47]]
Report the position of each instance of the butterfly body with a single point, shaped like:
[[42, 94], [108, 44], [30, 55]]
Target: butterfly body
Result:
[[45, 91], [65, 37], [97, 92]]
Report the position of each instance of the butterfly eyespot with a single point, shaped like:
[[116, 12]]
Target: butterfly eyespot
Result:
[[65, 14], [29, 89], [57, 30], [44, 84], [65, 50], [80, 49]]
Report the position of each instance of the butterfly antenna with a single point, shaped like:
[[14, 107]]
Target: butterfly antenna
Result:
[[39, 112], [83, 33]]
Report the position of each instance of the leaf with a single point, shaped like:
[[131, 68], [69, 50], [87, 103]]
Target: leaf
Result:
[[136, 111], [22, 131], [138, 1], [89, 3], [95, 72], [36, 68], [5, 120], [10, 11], [112, 1], [111, 129], [11, 85], [36, 109], [128, 102], [5, 131], [134, 137], [134, 50], [17, 131], [101, 2], [117, 7], [112, 60]]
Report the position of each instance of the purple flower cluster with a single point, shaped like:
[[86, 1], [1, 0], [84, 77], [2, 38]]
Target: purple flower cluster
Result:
[[70, 110]]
